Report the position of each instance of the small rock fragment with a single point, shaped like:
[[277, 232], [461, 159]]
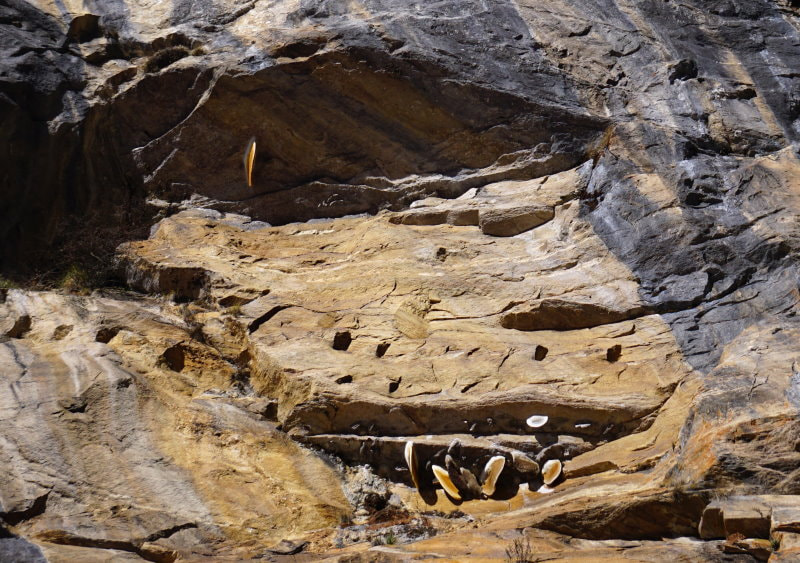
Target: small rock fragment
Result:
[[286, 547], [21, 327], [454, 471], [471, 482], [105, 334], [759, 549], [61, 332], [523, 463]]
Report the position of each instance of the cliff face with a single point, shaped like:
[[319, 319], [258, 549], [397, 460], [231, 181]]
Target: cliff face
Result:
[[584, 211]]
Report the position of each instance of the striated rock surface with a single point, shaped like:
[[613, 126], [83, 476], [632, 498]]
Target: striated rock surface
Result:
[[583, 212]]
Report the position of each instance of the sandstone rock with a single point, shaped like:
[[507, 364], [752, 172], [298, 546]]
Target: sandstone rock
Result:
[[524, 464], [21, 326], [202, 456], [558, 314], [712, 524], [785, 519], [513, 221], [760, 549], [750, 521], [751, 516], [788, 547], [287, 547]]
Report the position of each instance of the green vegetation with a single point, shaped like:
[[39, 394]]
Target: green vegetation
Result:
[[6, 283], [75, 279], [390, 539]]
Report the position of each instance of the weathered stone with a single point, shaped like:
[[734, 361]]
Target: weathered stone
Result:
[[751, 521], [21, 326], [513, 221], [760, 549], [559, 314], [712, 524], [463, 217], [785, 519], [287, 547], [750, 516], [176, 433], [424, 217], [789, 545]]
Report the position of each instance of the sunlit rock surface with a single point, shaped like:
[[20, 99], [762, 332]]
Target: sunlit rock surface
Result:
[[464, 214]]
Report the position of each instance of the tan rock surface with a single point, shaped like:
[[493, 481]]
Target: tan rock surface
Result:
[[358, 335], [108, 445]]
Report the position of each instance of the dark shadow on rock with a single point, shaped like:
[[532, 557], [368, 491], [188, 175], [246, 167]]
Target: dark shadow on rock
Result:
[[689, 264], [14, 548]]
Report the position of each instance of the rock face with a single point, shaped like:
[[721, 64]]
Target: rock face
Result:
[[579, 211]]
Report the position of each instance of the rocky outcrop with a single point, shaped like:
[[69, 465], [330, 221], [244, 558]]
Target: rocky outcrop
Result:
[[108, 444], [576, 249]]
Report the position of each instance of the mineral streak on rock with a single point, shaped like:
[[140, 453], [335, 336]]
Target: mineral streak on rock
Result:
[[581, 208]]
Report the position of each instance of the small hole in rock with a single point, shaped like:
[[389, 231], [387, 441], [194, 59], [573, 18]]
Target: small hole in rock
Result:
[[394, 385], [174, 358], [21, 327], [105, 334], [61, 332], [342, 340], [344, 379], [540, 353], [380, 350], [613, 353]]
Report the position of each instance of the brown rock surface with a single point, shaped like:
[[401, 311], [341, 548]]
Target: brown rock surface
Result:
[[107, 445]]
